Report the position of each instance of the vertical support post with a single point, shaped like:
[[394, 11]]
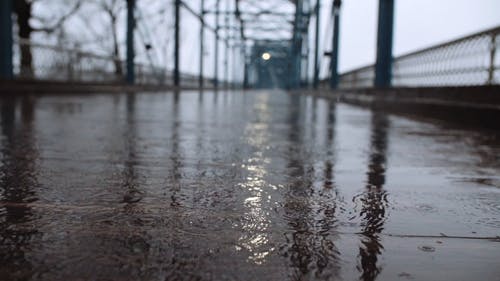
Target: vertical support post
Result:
[[296, 50], [130, 42], [202, 45], [177, 5], [316, 47], [226, 47], [216, 62], [245, 65], [233, 63], [383, 67], [334, 62], [305, 62], [6, 42], [493, 50]]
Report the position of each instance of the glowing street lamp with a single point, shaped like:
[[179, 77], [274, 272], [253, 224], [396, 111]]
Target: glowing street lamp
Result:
[[266, 56]]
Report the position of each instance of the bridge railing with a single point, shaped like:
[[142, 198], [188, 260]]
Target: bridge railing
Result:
[[472, 60], [53, 63]]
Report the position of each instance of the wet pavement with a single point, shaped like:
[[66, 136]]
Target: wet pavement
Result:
[[241, 186]]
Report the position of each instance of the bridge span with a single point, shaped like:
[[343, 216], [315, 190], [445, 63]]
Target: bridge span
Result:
[[217, 140]]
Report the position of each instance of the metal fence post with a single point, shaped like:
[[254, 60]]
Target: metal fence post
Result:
[[177, 4], [383, 67], [216, 62], [245, 65], [296, 48], [334, 61], [130, 41], [6, 42], [493, 49], [202, 45], [226, 47], [69, 66], [316, 47]]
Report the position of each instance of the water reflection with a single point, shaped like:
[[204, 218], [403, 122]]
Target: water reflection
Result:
[[18, 179], [132, 192], [330, 144], [310, 209], [374, 201], [256, 219], [327, 198], [178, 257], [250, 187], [175, 174]]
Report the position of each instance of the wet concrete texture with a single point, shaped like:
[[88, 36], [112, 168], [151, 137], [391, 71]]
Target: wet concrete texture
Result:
[[241, 186]]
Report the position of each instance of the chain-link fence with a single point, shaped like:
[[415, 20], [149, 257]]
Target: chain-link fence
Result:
[[34, 61], [471, 60]]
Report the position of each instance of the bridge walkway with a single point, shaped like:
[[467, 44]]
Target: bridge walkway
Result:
[[235, 185]]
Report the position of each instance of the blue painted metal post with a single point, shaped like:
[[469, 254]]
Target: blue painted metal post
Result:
[[334, 62], [296, 49], [6, 67], [130, 41], [202, 41], [383, 67], [316, 47], [245, 65], [177, 4], [226, 46], [216, 62]]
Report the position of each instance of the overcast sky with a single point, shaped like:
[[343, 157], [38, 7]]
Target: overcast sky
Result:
[[418, 24]]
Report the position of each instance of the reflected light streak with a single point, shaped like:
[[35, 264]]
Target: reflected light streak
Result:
[[255, 238]]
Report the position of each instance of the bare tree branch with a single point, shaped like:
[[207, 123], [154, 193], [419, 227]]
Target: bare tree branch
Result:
[[60, 22]]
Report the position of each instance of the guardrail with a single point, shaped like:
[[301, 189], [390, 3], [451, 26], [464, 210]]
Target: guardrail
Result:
[[54, 63], [468, 61]]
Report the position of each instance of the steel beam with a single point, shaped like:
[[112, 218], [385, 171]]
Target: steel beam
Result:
[[226, 48], [383, 67], [202, 45], [296, 49], [177, 5], [6, 65], [254, 14], [316, 47], [334, 62], [216, 62], [130, 42], [245, 68], [237, 13], [233, 63], [198, 16]]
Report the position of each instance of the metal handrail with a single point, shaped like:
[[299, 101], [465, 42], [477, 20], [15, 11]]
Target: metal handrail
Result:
[[492, 31], [443, 64], [51, 62]]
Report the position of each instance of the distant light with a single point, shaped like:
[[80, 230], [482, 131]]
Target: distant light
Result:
[[266, 56]]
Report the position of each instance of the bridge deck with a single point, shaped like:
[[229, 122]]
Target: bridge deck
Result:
[[241, 186]]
